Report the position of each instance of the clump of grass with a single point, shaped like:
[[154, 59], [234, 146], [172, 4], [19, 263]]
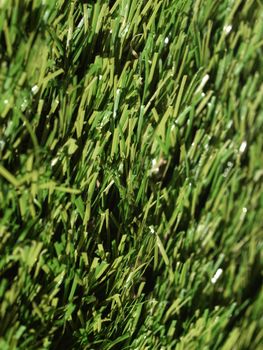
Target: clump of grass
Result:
[[131, 174]]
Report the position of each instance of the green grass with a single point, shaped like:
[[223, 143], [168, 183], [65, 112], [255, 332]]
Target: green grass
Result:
[[131, 174]]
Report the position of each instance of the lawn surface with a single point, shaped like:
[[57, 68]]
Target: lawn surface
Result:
[[131, 174]]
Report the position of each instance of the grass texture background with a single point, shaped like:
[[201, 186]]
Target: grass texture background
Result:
[[131, 174]]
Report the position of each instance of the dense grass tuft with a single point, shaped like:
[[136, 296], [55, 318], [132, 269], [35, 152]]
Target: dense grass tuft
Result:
[[131, 174]]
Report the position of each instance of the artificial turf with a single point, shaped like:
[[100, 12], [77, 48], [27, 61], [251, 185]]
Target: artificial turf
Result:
[[131, 174]]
